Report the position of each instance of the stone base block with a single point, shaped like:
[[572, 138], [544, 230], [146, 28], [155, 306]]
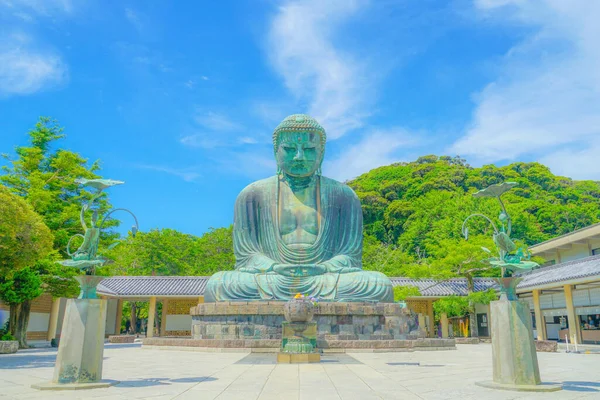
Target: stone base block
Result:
[[549, 346], [263, 320], [75, 386], [542, 387], [298, 358], [9, 346], [467, 340], [121, 338]]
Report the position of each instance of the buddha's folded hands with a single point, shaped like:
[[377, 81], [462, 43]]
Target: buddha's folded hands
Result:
[[299, 269]]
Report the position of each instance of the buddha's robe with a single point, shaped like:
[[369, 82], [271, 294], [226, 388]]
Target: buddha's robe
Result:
[[337, 249]]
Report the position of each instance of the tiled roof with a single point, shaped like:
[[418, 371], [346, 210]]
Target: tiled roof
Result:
[[191, 286], [153, 286], [567, 271], [435, 288]]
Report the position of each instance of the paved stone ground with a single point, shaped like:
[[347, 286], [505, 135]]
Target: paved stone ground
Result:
[[167, 374]]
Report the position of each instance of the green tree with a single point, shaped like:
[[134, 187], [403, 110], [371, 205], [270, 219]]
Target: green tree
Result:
[[170, 252], [45, 178], [24, 240], [18, 290]]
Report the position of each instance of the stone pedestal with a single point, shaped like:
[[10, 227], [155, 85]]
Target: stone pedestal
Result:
[[81, 349], [513, 349], [299, 343]]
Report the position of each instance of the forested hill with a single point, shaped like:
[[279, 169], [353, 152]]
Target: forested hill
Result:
[[417, 205]]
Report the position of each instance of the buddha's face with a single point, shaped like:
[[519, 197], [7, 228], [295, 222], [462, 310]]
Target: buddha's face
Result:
[[299, 153]]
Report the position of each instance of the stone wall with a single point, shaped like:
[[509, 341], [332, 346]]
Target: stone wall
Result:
[[335, 321]]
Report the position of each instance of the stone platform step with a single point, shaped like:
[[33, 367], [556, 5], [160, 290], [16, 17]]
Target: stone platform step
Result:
[[273, 345]]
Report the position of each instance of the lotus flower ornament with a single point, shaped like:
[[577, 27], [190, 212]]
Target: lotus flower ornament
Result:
[[510, 258]]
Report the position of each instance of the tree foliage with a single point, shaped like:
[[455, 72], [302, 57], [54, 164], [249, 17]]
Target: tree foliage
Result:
[[18, 289], [24, 238], [413, 212], [169, 252]]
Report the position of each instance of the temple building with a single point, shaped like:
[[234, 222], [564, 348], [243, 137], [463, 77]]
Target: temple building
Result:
[[564, 296], [565, 293]]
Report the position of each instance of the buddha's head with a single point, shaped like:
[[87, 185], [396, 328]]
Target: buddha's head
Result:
[[299, 144]]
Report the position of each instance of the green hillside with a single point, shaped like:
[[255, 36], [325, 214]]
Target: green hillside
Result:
[[416, 209]]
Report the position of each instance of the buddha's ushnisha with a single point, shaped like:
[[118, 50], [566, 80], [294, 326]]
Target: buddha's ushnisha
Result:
[[298, 231]]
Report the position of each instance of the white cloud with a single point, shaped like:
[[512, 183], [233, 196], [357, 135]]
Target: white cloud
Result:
[[215, 130], [40, 7], [546, 102], [582, 164], [189, 174], [217, 122], [133, 18], [25, 69], [376, 149], [302, 51]]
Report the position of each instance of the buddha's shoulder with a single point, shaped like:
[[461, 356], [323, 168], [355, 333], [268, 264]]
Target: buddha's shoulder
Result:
[[258, 187], [339, 187]]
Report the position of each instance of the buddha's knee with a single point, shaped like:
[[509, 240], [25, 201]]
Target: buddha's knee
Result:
[[231, 286], [365, 286]]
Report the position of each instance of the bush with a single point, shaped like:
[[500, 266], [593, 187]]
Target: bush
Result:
[[7, 337]]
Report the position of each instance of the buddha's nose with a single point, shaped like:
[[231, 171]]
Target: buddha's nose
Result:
[[299, 154]]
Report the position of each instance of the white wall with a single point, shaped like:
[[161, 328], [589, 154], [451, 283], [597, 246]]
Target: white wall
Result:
[[179, 322], [38, 322], [577, 251]]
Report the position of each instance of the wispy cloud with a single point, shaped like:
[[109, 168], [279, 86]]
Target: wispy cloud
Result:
[[215, 130], [375, 149], [134, 19], [216, 122], [26, 69], [26, 64], [189, 174], [331, 81], [545, 103], [45, 8]]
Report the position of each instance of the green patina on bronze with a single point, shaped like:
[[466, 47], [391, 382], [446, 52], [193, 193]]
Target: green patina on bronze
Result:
[[510, 258], [298, 231], [86, 257]]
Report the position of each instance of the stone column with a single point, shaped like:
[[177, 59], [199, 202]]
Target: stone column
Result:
[[53, 322], [513, 350], [444, 322], [540, 323], [151, 312], [432, 332], [163, 319], [574, 326], [80, 353], [119, 317]]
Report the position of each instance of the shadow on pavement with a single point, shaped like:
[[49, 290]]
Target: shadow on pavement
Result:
[[581, 386], [24, 359], [164, 381]]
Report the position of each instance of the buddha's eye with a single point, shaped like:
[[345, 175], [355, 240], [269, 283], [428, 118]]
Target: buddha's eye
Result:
[[288, 148]]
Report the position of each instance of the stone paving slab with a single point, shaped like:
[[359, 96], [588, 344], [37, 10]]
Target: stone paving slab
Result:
[[180, 375]]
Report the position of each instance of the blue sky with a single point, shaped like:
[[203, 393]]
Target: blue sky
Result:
[[179, 98]]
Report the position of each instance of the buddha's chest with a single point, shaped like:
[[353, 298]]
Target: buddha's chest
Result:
[[298, 216]]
